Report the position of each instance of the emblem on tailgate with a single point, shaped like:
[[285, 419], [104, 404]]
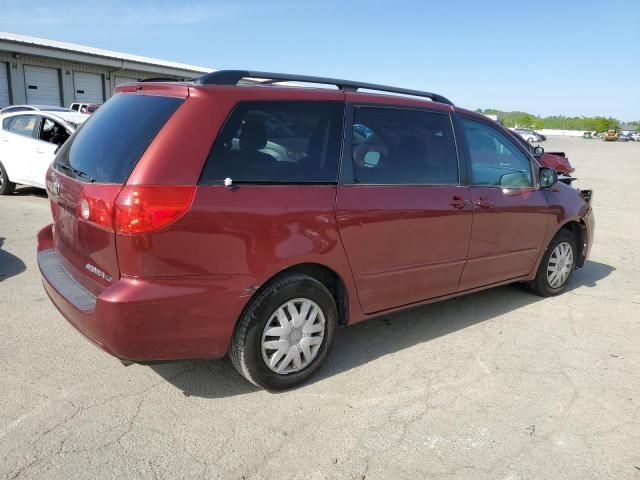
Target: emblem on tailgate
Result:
[[96, 271]]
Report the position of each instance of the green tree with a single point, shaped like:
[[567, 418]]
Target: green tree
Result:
[[524, 119]]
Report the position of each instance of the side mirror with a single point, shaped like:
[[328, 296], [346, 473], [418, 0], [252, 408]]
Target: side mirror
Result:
[[538, 151], [548, 177]]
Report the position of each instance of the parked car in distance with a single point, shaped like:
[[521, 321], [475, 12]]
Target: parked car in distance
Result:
[[611, 135], [235, 251], [66, 114], [635, 136], [28, 144], [86, 108], [555, 160], [528, 134]]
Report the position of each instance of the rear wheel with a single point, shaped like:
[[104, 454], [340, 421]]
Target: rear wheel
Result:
[[6, 187], [557, 265], [285, 333]]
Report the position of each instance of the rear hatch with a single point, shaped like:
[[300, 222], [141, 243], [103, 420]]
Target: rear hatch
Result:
[[87, 178]]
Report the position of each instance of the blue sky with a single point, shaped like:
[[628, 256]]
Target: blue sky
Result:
[[545, 57]]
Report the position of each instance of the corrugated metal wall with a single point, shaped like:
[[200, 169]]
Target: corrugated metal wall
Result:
[[17, 79]]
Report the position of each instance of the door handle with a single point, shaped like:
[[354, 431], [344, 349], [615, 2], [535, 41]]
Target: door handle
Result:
[[6, 140], [39, 150], [458, 202], [483, 203]]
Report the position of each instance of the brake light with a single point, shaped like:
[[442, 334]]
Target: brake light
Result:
[[132, 209], [96, 204], [145, 209]]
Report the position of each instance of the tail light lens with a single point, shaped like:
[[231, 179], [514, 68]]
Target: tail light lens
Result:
[[132, 209], [147, 209], [96, 204]]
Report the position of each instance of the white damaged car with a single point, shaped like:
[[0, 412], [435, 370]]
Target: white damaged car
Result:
[[29, 141], [66, 114]]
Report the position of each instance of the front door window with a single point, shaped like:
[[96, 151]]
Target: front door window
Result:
[[495, 161]]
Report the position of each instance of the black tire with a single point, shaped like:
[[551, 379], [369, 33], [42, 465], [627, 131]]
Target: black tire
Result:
[[245, 350], [540, 284], [6, 186]]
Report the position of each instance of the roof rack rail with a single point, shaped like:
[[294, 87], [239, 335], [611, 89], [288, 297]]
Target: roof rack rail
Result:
[[163, 79], [232, 77]]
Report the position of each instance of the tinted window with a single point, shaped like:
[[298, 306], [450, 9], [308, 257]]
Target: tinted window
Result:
[[277, 142], [74, 107], [397, 146], [495, 160], [23, 125], [111, 142]]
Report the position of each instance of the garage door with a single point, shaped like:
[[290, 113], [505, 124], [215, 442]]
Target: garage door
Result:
[[4, 85], [87, 87], [42, 85]]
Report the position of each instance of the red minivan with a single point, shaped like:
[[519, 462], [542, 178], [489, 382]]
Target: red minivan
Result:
[[234, 215]]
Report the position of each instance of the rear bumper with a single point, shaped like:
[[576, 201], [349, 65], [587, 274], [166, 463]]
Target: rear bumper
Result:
[[148, 319]]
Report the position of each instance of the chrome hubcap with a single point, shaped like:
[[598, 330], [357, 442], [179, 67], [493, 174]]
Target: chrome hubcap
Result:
[[560, 265], [293, 335]]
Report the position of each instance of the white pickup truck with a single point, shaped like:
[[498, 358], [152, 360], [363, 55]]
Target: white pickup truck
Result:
[[85, 108]]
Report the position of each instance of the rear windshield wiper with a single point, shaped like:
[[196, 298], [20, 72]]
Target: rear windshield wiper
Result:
[[76, 172]]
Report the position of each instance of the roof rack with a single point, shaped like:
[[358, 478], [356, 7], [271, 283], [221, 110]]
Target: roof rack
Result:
[[233, 77], [162, 79]]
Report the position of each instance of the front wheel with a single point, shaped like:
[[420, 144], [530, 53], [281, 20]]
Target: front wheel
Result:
[[556, 267], [285, 332]]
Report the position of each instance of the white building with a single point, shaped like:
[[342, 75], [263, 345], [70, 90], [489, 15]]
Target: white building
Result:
[[47, 72]]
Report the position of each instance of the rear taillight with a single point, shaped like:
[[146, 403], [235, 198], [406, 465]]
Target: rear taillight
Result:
[[132, 209], [96, 204], [150, 208]]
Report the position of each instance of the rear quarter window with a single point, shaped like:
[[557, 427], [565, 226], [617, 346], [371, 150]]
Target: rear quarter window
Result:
[[22, 125], [108, 145], [278, 142]]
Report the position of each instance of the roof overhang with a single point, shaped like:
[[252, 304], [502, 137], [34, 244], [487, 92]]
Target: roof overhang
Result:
[[70, 52]]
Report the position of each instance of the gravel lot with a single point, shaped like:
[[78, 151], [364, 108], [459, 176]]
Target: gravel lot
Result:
[[499, 384]]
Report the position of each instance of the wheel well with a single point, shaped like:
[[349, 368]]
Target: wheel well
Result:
[[329, 279], [577, 229]]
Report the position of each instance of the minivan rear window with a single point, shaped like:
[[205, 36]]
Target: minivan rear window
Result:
[[107, 147]]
